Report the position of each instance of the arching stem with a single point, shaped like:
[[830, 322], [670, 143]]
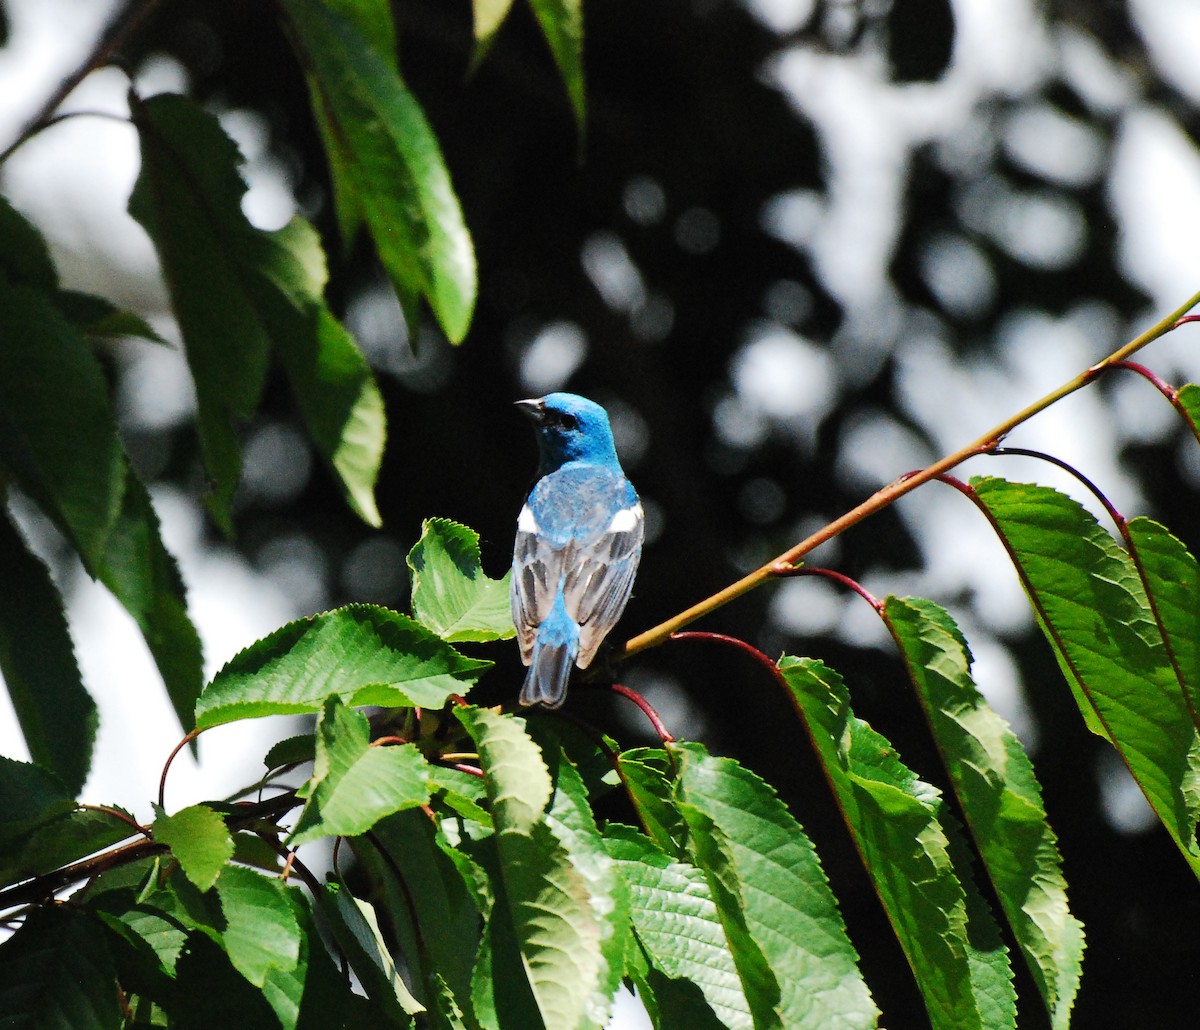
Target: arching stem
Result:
[[893, 491]]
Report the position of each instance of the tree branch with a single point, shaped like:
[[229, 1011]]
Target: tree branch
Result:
[[124, 25], [41, 888], [893, 491]]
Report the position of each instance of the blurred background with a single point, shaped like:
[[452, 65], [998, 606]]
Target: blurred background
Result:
[[804, 247]]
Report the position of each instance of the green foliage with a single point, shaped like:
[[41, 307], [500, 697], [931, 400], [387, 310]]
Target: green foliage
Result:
[[356, 930], [261, 935], [491, 891], [58, 439], [363, 654], [451, 595], [677, 925], [387, 164], [59, 840], [199, 840], [786, 935], [354, 785], [899, 827], [1117, 662], [188, 197], [502, 900], [561, 22], [1000, 797], [1188, 401], [550, 877], [57, 714], [57, 974]]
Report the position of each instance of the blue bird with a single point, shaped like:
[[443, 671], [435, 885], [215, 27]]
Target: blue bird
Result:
[[579, 540]]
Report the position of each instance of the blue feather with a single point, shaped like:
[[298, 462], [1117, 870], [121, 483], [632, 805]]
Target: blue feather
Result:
[[579, 540]]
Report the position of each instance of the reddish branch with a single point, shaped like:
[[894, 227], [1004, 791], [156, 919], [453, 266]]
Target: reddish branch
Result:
[[43, 888]]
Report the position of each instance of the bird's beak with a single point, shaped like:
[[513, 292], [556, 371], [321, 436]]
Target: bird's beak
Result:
[[535, 408]]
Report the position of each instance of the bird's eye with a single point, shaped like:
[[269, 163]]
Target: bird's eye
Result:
[[566, 421]]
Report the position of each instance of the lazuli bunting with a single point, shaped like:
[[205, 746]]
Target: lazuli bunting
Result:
[[579, 540]]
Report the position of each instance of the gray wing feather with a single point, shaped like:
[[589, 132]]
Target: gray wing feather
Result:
[[599, 584], [537, 568], [596, 570]]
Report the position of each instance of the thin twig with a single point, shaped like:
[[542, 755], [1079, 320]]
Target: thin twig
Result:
[[648, 711], [291, 861], [117, 814], [837, 577], [124, 25], [389, 740], [893, 491], [41, 888], [162, 780]]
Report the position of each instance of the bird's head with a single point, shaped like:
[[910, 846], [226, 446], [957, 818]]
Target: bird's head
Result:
[[570, 428]]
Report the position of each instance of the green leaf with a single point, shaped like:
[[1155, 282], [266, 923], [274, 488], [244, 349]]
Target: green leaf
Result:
[[163, 934], [896, 821], [144, 976], [387, 163], [571, 821], [446, 1009], [518, 783], [24, 256], [1094, 611], [56, 974], [334, 387], [451, 594], [788, 940], [143, 576], [210, 992], [673, 1003], [30, 796], [66, 838], [164, 917], [461, 792], [426, 880], [488, 16], [57, 715], [354, 785], [501, 995], [1172, 580], [251, 850], [58, 437], [313, 995], [562, 25], [261, 933], [363, 654], [199, 839], [356, 930], [188, 198], [96, 317], [1188, 400], [678, 924], [559, 929], [291, 751], [646, 773], [1000, 798], [373, 19]]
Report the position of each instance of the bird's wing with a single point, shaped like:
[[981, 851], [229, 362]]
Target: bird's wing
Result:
[[600, 577], [581, 528], [537, 569]]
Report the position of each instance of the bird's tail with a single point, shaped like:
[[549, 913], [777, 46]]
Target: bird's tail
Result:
[[554, 652]]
